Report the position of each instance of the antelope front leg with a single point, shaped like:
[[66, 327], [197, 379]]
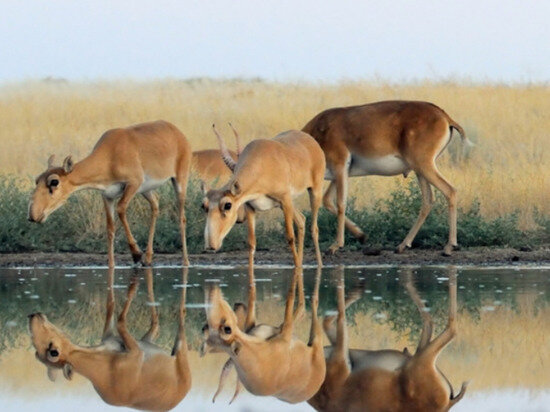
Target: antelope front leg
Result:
[[180, 187], [153, 331], [300, 221], [129, 342], [108, 328], [109, 205], [315, 199], [288, 210], [251, 222], [153, 200], [129, 192]]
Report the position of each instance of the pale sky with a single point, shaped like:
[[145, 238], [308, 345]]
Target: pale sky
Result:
[[493, 40]]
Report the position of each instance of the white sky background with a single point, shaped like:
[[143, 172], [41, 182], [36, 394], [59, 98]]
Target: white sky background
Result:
[[492, 40]]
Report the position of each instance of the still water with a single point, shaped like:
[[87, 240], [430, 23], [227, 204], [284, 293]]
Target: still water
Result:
[[502, 347]]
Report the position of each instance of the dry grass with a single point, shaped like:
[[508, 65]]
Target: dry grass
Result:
[[506, 170]]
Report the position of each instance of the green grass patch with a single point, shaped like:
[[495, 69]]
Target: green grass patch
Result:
[[79, 225]]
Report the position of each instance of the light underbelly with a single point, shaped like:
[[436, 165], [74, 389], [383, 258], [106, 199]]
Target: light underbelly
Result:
[[263, 203], [389, 165], [116, 189]]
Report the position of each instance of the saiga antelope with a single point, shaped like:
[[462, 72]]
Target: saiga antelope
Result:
[[385, 138], [123, 370], [391, 381], [246, 321], [123, 163], [269, 173], [281, 366]]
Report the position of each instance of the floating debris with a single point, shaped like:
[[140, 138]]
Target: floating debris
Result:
[[377, 298], [71, 301], [70, 275]]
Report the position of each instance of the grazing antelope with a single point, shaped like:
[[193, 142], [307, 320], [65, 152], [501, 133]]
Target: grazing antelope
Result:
[[280, 366], [123, 370], [123, 163], [385, 138], [392, 381], [246, 321], [269, 173]]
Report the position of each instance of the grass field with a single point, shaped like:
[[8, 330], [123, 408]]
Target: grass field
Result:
[[505, 172]]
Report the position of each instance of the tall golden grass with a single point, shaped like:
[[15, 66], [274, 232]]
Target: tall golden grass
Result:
[[506, 170]]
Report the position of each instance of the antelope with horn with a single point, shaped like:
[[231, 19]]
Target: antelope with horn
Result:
[[280, 366], [246, 321], [124, 371], [269, 173], [387, 380], [124, 162], [386, 138]]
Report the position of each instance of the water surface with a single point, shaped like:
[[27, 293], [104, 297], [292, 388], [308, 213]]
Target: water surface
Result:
[[502, 347]]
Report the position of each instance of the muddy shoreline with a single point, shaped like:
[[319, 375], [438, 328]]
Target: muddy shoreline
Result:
[[471, 256]]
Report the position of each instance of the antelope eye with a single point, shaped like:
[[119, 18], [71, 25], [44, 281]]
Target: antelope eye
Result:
[[227, 206], [204, 328], [54, 183], [227, 330], [204, 207], [54, 353]]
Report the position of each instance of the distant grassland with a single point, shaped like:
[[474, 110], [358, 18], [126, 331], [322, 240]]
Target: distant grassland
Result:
[[505, 175]]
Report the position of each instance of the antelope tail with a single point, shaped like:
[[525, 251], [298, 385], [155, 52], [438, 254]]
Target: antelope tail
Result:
[[460, 130]]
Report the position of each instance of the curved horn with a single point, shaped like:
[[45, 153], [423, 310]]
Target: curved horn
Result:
[[237, 139], [228, 160]]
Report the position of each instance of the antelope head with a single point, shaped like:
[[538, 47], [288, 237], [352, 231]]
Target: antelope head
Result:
[[51, 191], [52, 346], [224, 207], [223, 325], [240, 311]]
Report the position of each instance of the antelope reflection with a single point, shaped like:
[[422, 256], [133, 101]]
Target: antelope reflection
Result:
[[124, 371], [387, 380], [269, 361]]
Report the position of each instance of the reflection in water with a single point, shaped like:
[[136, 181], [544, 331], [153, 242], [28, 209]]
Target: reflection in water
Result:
[[123, 370], [504, 321], [280, 365], [387, 380]]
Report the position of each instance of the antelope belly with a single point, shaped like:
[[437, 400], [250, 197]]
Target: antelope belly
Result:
[[390, 165], [263, 203]]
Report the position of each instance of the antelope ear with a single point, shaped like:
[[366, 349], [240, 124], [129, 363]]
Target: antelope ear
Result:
[[68, 164], [235, 188], [68, 371], [52, 374], [51, 159]]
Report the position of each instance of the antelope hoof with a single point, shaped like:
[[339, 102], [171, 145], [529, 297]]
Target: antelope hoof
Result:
[[148, 261], [448, 250], [333, 249], [137, 257], [362, 238], [401, 248]]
